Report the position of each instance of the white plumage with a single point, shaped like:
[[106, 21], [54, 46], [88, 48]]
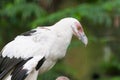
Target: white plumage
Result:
[[38, 50]]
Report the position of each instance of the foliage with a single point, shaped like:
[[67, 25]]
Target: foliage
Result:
[[99, 13], [16, 17]]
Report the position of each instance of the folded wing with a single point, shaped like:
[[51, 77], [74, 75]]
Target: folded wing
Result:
[[24, 54]]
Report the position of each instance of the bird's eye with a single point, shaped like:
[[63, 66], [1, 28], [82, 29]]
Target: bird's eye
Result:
[[79, 28]]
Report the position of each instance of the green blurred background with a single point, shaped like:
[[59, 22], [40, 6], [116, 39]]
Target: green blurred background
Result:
[[100, 60]]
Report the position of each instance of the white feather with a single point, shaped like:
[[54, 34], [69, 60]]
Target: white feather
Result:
[[29, 46]]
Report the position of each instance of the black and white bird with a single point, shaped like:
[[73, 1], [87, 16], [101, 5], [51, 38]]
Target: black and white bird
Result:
[[38, 50]]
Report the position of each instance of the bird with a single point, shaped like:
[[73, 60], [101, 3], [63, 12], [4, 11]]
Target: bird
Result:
[[36, 51]]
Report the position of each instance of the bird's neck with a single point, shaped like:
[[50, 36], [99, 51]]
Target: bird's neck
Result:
[[63, 31], [64, 36]]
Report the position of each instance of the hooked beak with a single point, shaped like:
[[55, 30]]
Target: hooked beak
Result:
[[80, 34], [83, 38]]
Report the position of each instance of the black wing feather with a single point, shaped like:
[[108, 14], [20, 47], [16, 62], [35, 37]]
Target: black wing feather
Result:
[[28, 33], [40, 63], [16, 64], [19, 73], [7, 64]]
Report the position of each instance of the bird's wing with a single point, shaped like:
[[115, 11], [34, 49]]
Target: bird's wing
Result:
[[25, 53]]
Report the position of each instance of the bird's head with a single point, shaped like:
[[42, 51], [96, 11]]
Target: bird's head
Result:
[[73, 25], [79, 32]]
